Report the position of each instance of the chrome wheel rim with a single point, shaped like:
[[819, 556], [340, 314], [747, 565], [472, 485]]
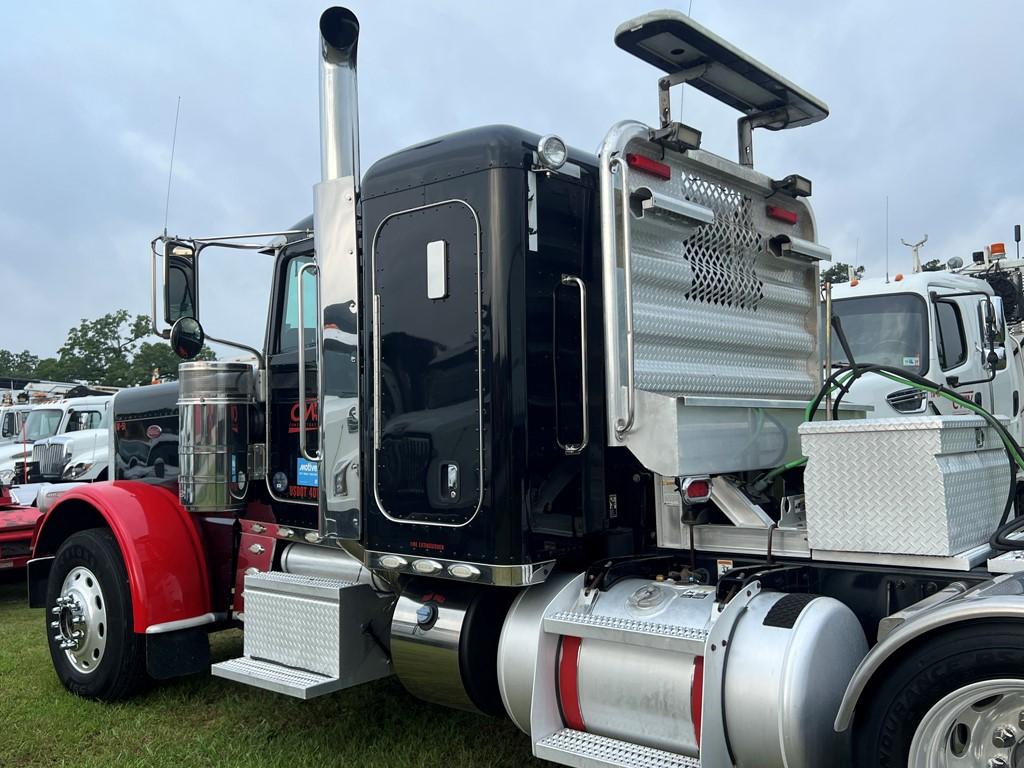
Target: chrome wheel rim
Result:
[[978, 726], [79, 620]]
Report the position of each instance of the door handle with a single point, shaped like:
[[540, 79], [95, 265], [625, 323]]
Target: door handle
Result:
[[572, 449]]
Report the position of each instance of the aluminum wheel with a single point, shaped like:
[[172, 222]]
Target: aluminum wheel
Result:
[[977, 726], [80, 620]]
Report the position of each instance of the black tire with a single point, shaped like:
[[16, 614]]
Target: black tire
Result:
[[887, 718], [121, 670]]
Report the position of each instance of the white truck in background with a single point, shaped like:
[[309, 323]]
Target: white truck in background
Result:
[[945, 326], [60, 441], [12, 419]]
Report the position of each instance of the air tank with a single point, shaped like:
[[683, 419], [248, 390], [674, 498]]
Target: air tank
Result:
[[214, 403]]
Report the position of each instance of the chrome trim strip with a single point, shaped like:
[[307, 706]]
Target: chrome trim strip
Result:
[[172, 626], [377, 362], [307, 267], [522, 575]]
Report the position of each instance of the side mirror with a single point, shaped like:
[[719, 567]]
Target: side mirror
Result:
[[181, 281], [997, 358], [187, 337], [998, 319]]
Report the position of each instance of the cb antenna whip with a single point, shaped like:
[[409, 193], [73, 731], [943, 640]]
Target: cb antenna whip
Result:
[[170, 170], [916, 247]]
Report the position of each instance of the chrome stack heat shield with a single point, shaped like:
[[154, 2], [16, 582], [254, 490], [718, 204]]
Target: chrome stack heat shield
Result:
[[335, 216]]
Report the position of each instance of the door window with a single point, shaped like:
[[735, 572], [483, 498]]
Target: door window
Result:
[[288, 340], [952, 341], [84, 420]]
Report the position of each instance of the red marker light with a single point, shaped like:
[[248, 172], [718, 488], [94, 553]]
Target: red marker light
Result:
[[647, 165], [695, 490], [698, 490], [781, 214]]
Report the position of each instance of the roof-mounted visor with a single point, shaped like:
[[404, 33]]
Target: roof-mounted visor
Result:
[[676, 44]]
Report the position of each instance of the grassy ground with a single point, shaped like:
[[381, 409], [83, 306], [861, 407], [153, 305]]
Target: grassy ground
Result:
[[204, 721]]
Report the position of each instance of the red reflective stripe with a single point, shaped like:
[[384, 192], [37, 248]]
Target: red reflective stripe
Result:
[[697, 695], [647, 165], [568, 691], [781, 214]]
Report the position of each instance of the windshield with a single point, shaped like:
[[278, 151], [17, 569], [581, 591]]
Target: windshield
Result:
[[43, 423], [887, 330]]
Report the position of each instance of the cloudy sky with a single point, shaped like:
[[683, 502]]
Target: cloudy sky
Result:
[[926, 99]]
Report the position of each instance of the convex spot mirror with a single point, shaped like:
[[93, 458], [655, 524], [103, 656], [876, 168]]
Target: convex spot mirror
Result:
[[187, 337], [993, 323], [181, 281]]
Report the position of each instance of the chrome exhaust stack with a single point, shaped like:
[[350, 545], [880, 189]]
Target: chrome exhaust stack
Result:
[[339, 108], [335, 220]]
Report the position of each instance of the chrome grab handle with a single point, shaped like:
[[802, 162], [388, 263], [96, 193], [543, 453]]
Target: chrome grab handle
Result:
[[303, 450], [572, 449], [624, 425]]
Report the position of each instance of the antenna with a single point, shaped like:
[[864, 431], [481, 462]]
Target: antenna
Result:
[[915, 247], [887, 238], [170, 170]]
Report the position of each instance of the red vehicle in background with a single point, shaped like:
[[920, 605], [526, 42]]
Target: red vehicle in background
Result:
[[17, 522]]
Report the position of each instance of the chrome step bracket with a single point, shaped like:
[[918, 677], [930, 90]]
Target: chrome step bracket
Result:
[[306, 635], [276, 677], [587, 750]]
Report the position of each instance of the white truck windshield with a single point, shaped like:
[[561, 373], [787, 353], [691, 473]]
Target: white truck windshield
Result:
[[43, 423], [887, 330]]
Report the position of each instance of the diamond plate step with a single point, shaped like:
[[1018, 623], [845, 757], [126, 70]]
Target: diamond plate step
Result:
[[630, 631], [276, 677], [307, 635], [587, 750]]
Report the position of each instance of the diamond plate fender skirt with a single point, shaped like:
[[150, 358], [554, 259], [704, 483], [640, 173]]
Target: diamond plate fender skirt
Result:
[[1000, 598], [160, 542]]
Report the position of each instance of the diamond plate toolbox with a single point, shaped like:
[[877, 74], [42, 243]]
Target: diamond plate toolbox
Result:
[[931, 485]]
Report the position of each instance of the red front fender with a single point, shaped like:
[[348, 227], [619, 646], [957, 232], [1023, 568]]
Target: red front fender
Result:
[[160, 542]]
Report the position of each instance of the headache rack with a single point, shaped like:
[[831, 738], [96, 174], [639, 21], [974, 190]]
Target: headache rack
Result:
[[710, 269]]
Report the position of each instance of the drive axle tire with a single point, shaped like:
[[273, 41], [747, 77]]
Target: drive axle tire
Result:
[[95, 652], [956, 700]]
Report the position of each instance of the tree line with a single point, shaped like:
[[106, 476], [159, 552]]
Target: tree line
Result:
[[108, 351]]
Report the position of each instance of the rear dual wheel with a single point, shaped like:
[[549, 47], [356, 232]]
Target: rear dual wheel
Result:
[[95, 652], [956, 702]]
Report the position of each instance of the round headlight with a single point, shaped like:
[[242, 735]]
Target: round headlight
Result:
[[552, 152]]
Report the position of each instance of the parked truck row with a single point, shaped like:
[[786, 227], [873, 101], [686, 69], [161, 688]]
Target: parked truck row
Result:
[[545, 434]]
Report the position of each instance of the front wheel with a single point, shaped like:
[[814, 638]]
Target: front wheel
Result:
[[957, 700], [95, 652]]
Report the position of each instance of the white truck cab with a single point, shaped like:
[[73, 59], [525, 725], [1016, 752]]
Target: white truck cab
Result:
[[64, 440], [939, 325], [12, 419]]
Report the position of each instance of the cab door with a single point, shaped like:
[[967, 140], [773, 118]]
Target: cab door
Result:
[[292, 479], [959, 357]]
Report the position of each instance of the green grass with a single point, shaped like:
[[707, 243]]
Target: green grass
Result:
[[205, 721]]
